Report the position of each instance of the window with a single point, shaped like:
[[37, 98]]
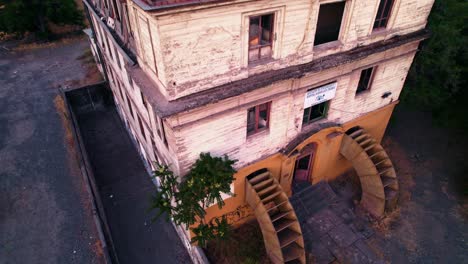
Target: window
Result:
[[117, 58], [121, 93], [260, 37], [143, 100], [383, 14], [315, 112], [329, 22], [258, 118], [365, 80], [130, 107], [142, 129]]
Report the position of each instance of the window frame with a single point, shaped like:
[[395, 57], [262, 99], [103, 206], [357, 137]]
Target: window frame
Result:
[[369, 83], [260, 46], [257, 115], [324, 115], [379, 20], [344, 21]]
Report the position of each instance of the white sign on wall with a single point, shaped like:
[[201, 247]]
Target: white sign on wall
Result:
[[320, 95]]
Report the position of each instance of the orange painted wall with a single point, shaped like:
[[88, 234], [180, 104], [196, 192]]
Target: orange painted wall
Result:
[[328, 164]]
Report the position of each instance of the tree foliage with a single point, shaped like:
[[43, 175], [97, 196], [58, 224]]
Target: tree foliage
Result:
[[20, 16], [437, 78], [185, 201]]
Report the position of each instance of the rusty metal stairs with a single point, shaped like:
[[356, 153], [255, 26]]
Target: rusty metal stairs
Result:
[[375, 170], [280, 228]]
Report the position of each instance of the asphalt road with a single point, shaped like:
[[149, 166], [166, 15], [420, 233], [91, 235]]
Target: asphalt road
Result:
[[45, 212]]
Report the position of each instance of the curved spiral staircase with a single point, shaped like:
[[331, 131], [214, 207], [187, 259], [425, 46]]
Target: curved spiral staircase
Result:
[[280, 228], [375, 170]]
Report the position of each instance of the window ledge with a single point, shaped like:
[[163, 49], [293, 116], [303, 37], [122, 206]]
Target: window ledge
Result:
[[328, 46], [261, 62], [362, 93], [314, 124], [260, 133]]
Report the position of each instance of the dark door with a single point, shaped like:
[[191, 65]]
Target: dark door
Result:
[[303, 167], [304, 163]]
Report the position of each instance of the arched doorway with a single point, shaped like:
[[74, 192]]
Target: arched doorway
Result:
[[303, 168]]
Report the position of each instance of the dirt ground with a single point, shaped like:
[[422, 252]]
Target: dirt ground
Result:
[[430, 225]]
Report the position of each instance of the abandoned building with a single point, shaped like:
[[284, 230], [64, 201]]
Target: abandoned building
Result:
[[296, 91]]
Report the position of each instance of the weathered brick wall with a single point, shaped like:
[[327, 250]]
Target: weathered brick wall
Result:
[[221, 128], [197, 50], [121, 83]]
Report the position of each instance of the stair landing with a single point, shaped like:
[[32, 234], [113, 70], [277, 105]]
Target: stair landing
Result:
[[331, 230]]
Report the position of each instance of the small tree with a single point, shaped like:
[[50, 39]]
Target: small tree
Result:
[[185, 202], [20, 16]]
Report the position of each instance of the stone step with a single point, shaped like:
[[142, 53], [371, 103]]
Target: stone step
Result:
[[292, 251], [283, 223], [259, 178], [287, 236]]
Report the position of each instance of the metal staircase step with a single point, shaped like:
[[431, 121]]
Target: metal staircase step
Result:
[[387, 181], [283, 223], [366, 141], [292, 251], [380, 162], [287, 236], [375, 154], [259, 178], [262, 184], [385, 169], [267, 189], [356, 133], [370, 147], [279, 215], [361, 137], [390, 193], [276, 206], [271, 197]]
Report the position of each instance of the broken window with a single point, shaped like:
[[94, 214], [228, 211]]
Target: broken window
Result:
[[383, 14], [365, 80], [315, 112], [258, 118], [130, 107], [329, 22], [143, 100], [260, 37], [142, 129]]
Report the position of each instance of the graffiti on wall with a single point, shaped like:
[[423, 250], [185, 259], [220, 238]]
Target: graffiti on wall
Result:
[[237, 215]]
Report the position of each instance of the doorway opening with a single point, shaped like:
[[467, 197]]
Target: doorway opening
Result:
[[303, 167]]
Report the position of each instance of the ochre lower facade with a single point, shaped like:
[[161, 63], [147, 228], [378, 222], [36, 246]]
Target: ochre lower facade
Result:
[[326, 162]]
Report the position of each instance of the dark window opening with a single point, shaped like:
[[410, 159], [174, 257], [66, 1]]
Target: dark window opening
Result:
[[130, 107], [142, 129], [365, 80], [258, 118], [143, 100], [260, 37], [329, 22], [383, 14], [117, 58], [315, 112], [121, 93]]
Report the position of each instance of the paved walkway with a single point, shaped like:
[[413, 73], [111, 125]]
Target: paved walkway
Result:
[[331, 230], [125, 189]]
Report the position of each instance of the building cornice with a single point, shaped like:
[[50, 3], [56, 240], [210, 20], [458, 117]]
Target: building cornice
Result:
[[165, 108]]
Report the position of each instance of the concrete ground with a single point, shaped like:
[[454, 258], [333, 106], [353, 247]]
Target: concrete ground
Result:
[[45, 212], [126, 189], [430, 225]]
